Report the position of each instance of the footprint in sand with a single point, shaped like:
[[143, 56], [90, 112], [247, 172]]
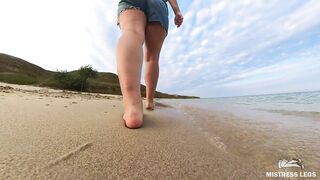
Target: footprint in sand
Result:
[[73, 103], [216, 141], [65, 106]]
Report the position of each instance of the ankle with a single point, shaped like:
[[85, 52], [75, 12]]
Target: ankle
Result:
[[149, 100], [134, 110]]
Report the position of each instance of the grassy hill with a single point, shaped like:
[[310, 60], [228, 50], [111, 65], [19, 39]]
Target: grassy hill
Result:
[[18, 71]]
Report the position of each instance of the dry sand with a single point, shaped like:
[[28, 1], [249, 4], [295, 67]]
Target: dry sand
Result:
[[53, 134]]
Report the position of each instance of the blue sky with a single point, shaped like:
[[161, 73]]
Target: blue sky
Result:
[[224, 48]]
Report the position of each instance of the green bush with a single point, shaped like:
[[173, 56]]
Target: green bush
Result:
[[68, 81], [76, 80], [85, 73]]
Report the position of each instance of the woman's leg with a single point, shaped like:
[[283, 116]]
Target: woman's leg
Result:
[[129, 63], [155, 35]]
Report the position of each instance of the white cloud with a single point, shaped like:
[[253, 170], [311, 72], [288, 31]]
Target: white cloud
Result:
[[233, 37]]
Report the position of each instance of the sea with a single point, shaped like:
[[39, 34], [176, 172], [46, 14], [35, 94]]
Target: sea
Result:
[[299, 104]]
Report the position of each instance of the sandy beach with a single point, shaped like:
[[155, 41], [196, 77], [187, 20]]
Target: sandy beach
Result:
[[55, 134]]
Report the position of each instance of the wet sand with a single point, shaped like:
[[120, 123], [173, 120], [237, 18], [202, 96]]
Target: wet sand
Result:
[[53, 134], [261, 139]]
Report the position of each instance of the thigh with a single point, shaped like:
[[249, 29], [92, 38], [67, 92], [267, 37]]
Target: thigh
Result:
[[132, 19], [155, 35], [132, 15]]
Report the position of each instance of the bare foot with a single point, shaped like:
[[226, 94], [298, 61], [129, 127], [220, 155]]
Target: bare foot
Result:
[[150, 105], [133, 119]]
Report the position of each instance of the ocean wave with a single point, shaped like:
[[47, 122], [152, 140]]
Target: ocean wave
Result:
[[306, 114]]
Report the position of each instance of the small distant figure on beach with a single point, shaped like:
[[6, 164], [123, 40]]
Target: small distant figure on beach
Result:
[[141, 22]]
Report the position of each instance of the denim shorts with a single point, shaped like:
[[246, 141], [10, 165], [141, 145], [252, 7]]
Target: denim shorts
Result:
[[155, 10]]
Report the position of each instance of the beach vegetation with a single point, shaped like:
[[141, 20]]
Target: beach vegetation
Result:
[[86, 72], [16, 78], [18, 71]]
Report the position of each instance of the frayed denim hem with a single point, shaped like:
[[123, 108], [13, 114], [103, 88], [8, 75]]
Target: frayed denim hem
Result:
[[131, 7]]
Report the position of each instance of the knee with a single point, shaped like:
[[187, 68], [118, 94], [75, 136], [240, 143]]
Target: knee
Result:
[[135, 33], [152, 57]]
